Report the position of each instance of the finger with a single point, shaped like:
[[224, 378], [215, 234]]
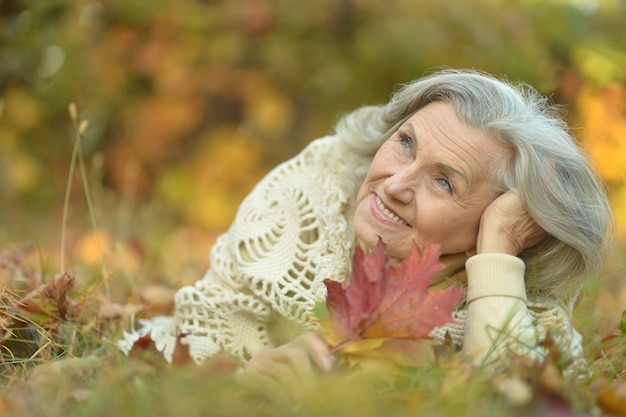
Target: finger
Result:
[[285, 377], [299, 362], [318, 350], [273, 363], [270, 371]]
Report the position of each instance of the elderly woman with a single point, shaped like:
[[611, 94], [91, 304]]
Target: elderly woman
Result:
[[484, 168]]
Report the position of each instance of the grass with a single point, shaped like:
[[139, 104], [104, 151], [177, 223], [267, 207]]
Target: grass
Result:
[[59, 356]]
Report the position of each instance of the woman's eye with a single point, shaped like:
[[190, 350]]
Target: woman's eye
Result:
[[445, 183], [406, 142]]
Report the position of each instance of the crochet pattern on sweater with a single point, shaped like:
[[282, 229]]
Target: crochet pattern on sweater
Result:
[[289, 234]]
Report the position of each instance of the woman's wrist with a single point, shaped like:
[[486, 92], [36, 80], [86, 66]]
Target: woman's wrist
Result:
[[493, 239], [495, 274]]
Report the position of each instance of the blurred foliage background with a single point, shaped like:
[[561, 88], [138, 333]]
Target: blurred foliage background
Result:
[[190, 102]]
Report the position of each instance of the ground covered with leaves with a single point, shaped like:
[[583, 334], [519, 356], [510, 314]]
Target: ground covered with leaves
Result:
[[59, 357]]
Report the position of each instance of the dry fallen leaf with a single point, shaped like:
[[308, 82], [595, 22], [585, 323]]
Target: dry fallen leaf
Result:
[[50, 302], [110, 310], [386, 302], [16, 272], [158, 299], [146, 349]]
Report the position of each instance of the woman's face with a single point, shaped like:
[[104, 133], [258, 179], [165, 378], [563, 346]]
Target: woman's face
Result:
[[428, 183]]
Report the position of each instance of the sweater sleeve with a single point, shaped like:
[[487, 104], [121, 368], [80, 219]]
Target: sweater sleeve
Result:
[[498, 322], [498, 319]]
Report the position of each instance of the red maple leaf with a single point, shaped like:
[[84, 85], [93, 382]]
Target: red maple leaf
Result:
[[383, 301]]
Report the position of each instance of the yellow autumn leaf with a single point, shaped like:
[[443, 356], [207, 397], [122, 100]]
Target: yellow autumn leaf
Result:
[[603, 114], [618, 202]]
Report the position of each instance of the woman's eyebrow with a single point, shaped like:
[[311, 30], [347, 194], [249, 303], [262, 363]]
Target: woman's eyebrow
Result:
[[410, 126], [448, 168]]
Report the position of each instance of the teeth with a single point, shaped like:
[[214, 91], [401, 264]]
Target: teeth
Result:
[[389, 214]]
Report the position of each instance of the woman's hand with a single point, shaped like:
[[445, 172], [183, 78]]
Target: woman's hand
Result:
[[286, 372], [507, 227]]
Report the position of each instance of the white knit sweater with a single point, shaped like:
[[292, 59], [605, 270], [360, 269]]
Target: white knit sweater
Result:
[[293, 231]]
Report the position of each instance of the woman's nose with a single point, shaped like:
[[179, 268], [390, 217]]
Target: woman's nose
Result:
[[399, 187]]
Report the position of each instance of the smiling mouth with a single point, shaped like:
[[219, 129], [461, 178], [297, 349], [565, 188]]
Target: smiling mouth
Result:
[[388, 213]]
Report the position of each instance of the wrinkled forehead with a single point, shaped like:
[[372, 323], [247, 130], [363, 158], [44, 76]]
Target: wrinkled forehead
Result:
[[483, 157]]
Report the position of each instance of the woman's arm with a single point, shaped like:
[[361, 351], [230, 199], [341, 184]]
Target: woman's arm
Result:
[[498, 318]]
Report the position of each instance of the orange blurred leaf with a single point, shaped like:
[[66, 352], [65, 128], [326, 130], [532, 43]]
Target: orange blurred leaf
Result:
[[612, 398]]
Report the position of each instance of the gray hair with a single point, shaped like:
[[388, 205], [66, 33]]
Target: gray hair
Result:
[[546, 168]]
